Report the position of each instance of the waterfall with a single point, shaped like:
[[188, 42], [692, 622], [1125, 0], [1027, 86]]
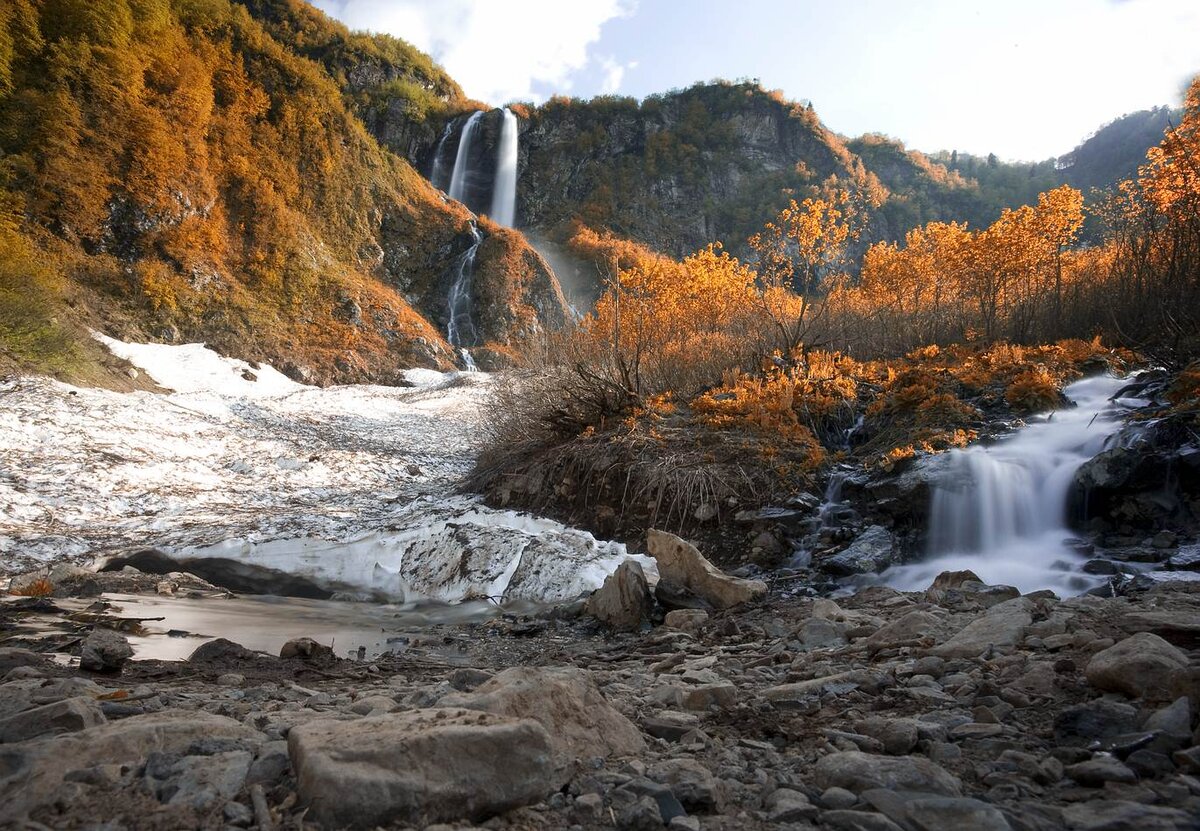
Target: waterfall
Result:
[[437, 176], [1001, 510], [458, 178], [460, 327], [504, 188]]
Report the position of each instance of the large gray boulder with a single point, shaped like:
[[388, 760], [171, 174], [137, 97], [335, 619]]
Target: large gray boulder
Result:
[[1141, 666], [420, 767], [681, 563], [564, 700]]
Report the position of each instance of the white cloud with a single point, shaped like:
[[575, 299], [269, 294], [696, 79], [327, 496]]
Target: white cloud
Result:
[[497, 51]]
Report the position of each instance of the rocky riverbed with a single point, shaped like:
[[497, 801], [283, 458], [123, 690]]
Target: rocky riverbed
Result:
[[964, 706]]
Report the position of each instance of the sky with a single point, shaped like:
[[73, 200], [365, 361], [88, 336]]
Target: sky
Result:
[[1025, 79]]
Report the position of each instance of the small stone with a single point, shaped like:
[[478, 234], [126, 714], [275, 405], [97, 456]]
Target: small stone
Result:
[[642, 815], [231, 679], [856, 771], [954, 814], [686, 620], [838, 799], [468, 678], [786, 805], [589, 807], [237, 814]]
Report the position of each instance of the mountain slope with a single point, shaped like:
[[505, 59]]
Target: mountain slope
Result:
[[193, 177]]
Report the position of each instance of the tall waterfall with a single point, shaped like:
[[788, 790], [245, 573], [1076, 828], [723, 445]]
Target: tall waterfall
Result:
[[460, 326], [1001, 510], [437, 176], [458, 179], [504, 188]]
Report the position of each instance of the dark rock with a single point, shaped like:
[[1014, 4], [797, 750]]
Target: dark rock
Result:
[[856, 772], [105, 651], [871, 552], [1096, 772], [306, 649], [222, 651], [65, 716], [1099, 719]]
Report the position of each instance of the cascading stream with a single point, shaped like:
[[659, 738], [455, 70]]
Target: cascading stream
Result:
[[504, 188], [1001, 510], [458, 178], [460, 326]]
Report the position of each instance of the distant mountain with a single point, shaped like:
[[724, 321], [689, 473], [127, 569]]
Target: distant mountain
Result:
[[1115, 150]]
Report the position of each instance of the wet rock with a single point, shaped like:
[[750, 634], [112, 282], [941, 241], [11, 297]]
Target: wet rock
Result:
[[105, 651], [306, 649], [1143, 665], [871, 552], [681, 563], [566, 702], [856, 771], [420, 767], [65, 716], [624, 601], [1002, 626]]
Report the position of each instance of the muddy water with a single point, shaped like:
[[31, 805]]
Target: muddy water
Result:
[[265, 623]]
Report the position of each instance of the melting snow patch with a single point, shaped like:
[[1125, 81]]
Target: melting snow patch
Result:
[[350, 485]]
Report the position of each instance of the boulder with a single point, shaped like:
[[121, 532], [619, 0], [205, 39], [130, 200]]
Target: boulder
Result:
[[1003, 626], [65, 716], [871, 552], [856, 772], [105, 651], [32, 772], [686, 620], [565, 701], [1141, 666], [420, 767], [12, 657], [682, 563], [306, 649], [954, 814], [624, 601]]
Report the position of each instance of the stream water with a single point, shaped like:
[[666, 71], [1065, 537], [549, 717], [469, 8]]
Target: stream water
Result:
[[1000, 509]]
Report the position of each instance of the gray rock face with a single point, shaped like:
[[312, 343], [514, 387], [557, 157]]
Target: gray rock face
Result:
[[871, 552], [105, 651], [1003, 626], [681, 563], [420, 767], [566, 702], [857, 772], [1143, 665], [60, 717], [624, 601]]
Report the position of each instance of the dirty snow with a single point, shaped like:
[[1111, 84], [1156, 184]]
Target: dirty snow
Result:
[[353, 486]]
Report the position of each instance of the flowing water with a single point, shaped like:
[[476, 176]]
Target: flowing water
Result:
[[460, 326], [504, 189], [1000, 510], [438, 175], [458, 177]]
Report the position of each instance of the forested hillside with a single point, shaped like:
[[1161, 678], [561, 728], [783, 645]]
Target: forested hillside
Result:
[[174, 170]]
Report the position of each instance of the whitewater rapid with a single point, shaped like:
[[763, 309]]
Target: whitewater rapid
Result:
[[352, 486], [1000, 510]]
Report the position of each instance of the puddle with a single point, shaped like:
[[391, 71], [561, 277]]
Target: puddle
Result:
[[265, 623]]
